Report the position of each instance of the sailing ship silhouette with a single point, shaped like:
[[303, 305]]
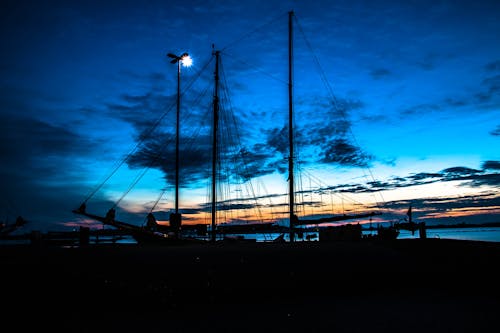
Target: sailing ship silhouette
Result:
[[176, 231]]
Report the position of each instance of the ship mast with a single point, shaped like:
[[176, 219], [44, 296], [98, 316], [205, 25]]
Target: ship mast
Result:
[[290, 128], [176, 218], [214, 145]]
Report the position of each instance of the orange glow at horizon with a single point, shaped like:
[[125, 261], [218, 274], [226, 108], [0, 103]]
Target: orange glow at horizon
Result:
[[272, 206]]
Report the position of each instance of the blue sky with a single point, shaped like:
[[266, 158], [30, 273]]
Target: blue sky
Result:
[[395, 102]]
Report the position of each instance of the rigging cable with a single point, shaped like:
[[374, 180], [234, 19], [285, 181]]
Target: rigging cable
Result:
[[144, 135], [332, 95], [192, 136], [235, 138], [325, 186], [258, 69], [252, 31], [153, 161]]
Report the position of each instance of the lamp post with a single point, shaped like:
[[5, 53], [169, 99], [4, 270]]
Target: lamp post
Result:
[[185, 60]]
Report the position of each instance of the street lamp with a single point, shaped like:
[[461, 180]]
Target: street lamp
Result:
[[186, 61]]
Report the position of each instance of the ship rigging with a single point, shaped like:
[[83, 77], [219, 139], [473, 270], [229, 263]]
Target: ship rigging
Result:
[[226, 145]]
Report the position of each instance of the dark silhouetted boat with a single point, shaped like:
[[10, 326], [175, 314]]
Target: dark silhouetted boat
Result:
[[174, 232], [6, 228]]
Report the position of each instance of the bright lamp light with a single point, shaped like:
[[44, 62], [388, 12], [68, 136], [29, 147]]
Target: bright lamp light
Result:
[[186, 61]]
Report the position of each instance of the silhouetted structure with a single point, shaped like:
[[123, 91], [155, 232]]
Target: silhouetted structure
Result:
[[153, 231], [346, 232], [412, 226], [6, 229], [84, 236]]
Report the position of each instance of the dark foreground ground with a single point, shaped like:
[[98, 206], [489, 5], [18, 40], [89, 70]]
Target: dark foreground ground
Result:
[[416, 285]]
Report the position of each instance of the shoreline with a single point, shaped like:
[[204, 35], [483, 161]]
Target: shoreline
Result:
[[95, 236]]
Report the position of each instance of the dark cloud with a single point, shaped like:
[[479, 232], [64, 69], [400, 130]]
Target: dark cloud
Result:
[[246, 163], [148, 111], [492, 165], [391, 183], [41, 173], [496, 131], [380, 73], [229, 205], [156, 80], [472, 177], [378, 184], [490, 89], [425, 209], [459, 171], [493, 66], [317, 135], [492, 84], [328, 108], [485, 95], [476, 200], [153, 116], [241, 162], [142, 112], [492, 179], [422, 176], [327, 132], [421, 108], [374, 118], [324, 122], [341, 152], [454, 102], [277, 140], [158, 152], [344, 105], [24, 139], [469, 177], [255, 162], [429, 61]]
